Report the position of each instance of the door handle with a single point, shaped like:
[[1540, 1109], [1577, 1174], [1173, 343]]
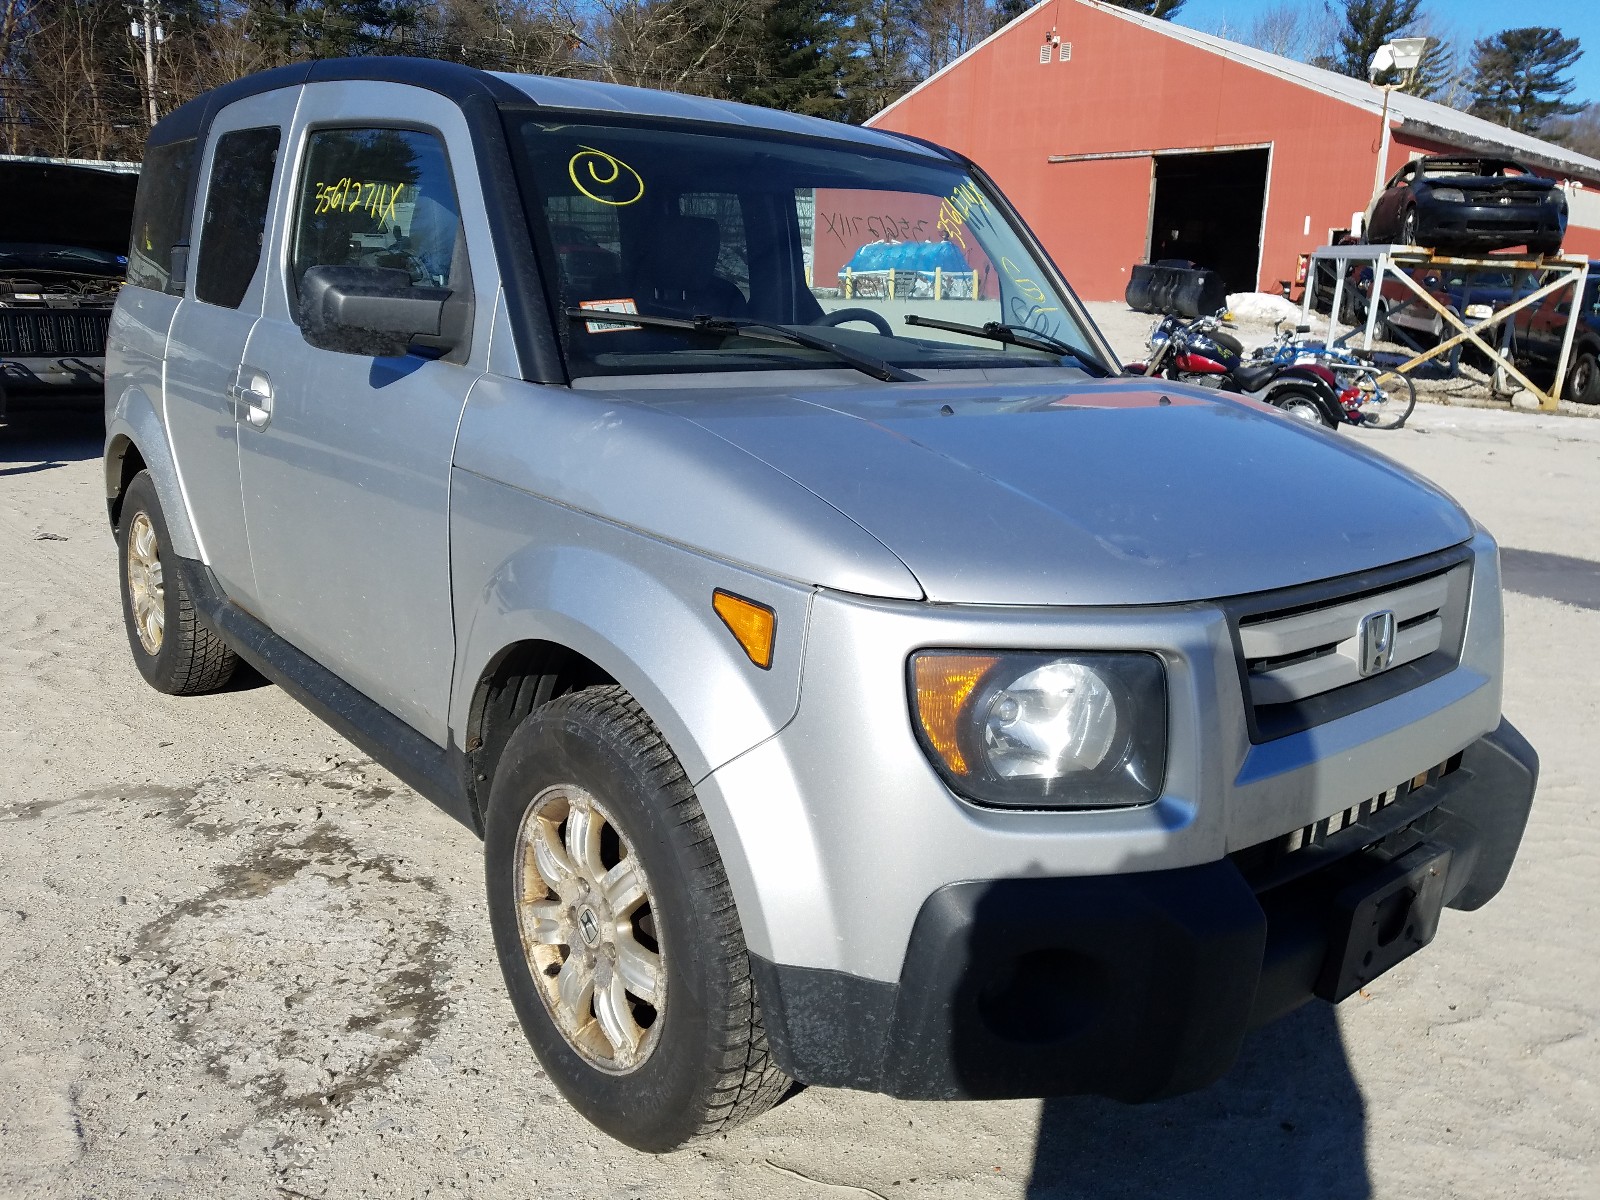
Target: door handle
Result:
[[253, 399]]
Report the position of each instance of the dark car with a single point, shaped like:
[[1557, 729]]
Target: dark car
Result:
[[1469, 205], [1541, 329], [63, 246]]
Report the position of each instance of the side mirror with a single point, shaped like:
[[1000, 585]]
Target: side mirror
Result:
[[377, 312]]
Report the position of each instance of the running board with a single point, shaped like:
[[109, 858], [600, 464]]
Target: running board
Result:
[[436, 773]]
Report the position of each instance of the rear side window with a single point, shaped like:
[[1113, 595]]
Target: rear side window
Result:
[[376, 198], [236, 214], [161, 215]]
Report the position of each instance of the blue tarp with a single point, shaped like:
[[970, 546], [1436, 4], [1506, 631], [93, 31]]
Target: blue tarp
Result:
[[908, 256]]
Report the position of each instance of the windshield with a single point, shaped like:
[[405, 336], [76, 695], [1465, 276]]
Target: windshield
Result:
[[843, 242]]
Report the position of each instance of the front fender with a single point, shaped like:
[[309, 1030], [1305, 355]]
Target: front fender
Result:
[[526, 569], [133, 423]]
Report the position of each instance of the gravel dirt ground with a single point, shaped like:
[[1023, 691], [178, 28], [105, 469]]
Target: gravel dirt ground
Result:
[[239, 959]]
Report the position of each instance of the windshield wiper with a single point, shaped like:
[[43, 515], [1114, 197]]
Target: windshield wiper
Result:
[[1018, 335], [740, 327]]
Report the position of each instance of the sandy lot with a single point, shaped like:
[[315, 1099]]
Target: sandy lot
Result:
[[241, 960]]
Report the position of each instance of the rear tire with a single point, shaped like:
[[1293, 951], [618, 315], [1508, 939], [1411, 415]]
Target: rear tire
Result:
[[175, 651], [616, 930], [1583, 378], [1300, 405]]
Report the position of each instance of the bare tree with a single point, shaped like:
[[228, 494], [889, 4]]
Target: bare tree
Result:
[[679, 45], [81, 100], [1580, 130], [949, 28], [1305, 30]]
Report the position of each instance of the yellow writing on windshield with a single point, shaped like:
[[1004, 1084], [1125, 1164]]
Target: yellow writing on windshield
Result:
[[957, 208], [590, 169], [352, 195], [1027, 287]]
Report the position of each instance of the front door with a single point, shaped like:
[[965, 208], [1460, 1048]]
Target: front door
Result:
[[345, 456], [222, 301]]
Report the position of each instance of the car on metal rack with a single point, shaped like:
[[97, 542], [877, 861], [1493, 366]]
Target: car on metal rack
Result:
[[1468, 204], [875, 693]]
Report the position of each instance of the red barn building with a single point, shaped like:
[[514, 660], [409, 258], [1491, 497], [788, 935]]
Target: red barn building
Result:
[[1125, 139]]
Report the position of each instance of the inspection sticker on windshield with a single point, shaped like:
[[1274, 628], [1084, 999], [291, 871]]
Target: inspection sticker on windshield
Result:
[[614, 306]]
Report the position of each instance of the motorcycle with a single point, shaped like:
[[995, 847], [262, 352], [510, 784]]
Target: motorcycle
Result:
[[1200, 352]]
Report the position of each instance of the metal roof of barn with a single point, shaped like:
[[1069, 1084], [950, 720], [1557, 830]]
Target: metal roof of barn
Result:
[[1414, 115]]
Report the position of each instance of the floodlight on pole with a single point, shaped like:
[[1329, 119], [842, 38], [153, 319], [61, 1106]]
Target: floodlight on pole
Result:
[[1405, 56]]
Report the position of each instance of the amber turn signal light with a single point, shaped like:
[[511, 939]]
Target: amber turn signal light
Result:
[[944, 683], [752, 625]]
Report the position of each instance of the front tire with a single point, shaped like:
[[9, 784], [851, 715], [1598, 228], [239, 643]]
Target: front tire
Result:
[[615, 927], [1408, 227], [175, 651], [1583, 378], [1388, 401]]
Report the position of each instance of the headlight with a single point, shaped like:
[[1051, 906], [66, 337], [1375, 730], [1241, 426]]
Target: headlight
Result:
[[1449, 195], [1044, 730], [1556, 197]]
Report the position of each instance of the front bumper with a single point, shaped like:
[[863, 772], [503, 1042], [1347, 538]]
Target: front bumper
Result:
[[1143, 985], [1489, 226], [37, 383]]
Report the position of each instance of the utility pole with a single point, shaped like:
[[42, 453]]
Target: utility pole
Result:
[[145, 29]]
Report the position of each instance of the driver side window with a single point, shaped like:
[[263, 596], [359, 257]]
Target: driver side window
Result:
[[376, 198]]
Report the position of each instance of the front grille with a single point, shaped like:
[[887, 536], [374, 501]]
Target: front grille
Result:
[[39, 333], [1301, 652], [1271, 863]]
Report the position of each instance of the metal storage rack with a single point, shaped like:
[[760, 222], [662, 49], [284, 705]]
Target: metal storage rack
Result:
[[1558, 271]]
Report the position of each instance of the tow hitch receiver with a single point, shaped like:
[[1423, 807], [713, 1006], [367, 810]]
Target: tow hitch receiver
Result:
[[1383, 918]]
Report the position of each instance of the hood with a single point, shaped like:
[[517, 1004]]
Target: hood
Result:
[[1099, 493], [67, 205]]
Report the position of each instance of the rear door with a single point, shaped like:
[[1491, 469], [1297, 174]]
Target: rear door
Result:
[[220, 306], [345, 455]]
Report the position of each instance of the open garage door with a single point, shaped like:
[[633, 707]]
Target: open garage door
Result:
[[1207, 208]]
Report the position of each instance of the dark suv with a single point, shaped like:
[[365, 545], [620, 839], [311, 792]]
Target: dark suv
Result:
[[63, 246], [1541, 329]]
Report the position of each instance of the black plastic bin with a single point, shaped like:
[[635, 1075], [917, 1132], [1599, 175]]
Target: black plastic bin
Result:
[[1175, 286]]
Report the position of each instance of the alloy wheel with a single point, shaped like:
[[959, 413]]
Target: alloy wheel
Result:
[[1582, 377], [585, 913], [147, 592]]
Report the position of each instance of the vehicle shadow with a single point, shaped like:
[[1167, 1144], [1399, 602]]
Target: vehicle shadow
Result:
[[1287, 1120], [44, 441], [1142, 984]]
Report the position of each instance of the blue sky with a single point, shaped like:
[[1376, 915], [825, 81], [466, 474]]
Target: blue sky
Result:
[[1470, 18]]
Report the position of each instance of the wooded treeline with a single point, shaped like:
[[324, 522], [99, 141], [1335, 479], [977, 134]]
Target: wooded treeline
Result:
[[81, 78], [76, 81]]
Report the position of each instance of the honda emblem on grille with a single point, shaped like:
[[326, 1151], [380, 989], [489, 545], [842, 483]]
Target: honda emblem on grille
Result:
[[1375, 642]]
